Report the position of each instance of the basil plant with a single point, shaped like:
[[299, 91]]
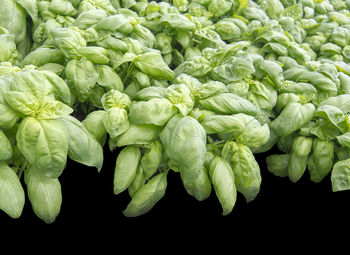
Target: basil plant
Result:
[[38, 135], [195, 87]]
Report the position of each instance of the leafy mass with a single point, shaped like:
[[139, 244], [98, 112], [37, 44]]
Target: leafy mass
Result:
[[195, 87]]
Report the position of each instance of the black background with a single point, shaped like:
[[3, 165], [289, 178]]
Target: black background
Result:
[[281, 207]]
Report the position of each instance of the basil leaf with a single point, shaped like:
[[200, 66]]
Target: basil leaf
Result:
[[82, 77], [223, 179], [44, 195], [138, 181], [184, 140], [68, 41], [116, 121], [115, 23], [247, 172], [152, 63], [108, 78], [177, 21], [44, 143], [321, 160], [5, 147], [155, 111], [12, 196], [340, 177], [60, 87], [24, 103], [297, 166], [344, 139], [334, 115], [94, 124], [152, 158], [200, 187], [53, 110], [13, 18], [180, 96], [125, 169], [228, 103], [278, 164], [137, 134], [82, 146], [31, 82], [115, 98], [147, 196], [292, 117]]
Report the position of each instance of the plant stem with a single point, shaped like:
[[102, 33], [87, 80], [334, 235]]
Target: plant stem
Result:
[[23, 167]]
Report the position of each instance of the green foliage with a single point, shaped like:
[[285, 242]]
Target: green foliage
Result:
[[195, 87]]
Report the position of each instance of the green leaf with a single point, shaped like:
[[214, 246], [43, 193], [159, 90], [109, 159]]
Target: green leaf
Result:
[[247, 172], [254, 135], [127, 57], [219, 8], [321, 160], [341, 101], [152, 63], [302, 145], [82, 146], [233, 69], [13, 18], [278, 164], [62, 7], [147, 196], [180, 96], [297, 166], [148, 93], [44, 195], [334, 115], [228, 103], [68, 41], [116, 121], [82, 76], [44, 143], [94, 124], [8, 52], [5, 147], [137, 134], [155, 111], [8, 117], [53, 110], [210, 88], [12, 196], [344, 139], [223, 179], [197, 66], [235, 123], [292, 117], [177, 21], [31, 82], [340, 177], [23, 103], [95, 54], [89, 18], [108, 78], [274, 71], [31, 7], [208, 38], [200, 187], [138, 182], [125, 168], [151, 158], [115, 98], [115, 23], [60, 87], [184, 140]]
